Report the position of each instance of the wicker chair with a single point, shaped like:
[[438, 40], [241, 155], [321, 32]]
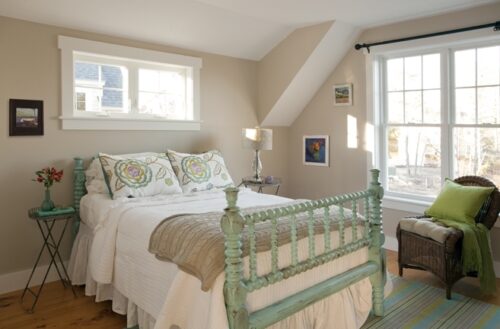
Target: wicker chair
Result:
[[444, 259]]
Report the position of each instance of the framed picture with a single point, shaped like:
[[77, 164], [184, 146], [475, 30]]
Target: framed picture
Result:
[[342, 95], [25, 117], [315, 150]]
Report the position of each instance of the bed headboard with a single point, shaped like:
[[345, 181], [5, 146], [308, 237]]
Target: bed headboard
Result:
[[79, 191]]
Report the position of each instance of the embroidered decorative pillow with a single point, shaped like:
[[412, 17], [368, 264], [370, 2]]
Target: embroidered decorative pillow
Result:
[[141, 176], [200, 172], [95, 182]]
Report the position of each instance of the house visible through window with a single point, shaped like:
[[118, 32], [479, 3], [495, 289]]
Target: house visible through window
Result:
[[100, 87], [115, 87], [439, 117]]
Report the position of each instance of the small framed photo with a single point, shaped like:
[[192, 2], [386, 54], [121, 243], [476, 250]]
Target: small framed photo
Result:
[[316, 149], [25, 117], [342, 95]]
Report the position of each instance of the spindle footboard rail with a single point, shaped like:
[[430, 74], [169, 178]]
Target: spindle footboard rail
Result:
[[237, 286]]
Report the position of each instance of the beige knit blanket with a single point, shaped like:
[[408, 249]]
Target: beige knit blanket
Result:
[[195, 242]]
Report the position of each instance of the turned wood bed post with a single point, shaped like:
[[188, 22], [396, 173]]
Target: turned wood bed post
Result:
[[376, 253], [78, 193], [235, 292]]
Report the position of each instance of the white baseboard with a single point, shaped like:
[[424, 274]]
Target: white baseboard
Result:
[[391, 243], [496, 266], [17, 280]]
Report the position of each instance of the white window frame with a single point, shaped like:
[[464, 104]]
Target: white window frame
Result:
[[71, 47], [375, 87]]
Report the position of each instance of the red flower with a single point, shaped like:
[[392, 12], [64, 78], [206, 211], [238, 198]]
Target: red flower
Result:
[[48, 176]]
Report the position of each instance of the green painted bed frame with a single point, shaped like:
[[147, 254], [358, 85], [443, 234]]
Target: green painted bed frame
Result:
[[236, 286]]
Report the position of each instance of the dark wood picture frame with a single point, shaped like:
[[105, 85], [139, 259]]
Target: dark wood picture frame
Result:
[[25, 117]]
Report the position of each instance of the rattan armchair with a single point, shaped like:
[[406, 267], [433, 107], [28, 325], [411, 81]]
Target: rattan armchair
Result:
[[444, 259]]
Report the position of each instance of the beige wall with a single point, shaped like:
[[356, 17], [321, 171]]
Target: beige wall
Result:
[[278, 68], [30, 69], [348, 167]]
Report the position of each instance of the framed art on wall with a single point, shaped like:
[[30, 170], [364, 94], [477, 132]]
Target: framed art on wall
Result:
[[25, 117], [316, 150], [342, 95]]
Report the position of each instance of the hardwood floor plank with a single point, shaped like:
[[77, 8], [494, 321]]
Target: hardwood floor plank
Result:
[[58, 309]]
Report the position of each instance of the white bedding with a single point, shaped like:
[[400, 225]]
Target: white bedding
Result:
[[119, 257]]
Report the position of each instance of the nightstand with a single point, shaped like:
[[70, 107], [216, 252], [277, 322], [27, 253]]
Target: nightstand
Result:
[[248, 182], [46, 221]]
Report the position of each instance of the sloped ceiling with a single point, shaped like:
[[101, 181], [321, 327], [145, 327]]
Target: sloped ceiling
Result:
[[321, 31], [239, 28], [308, 78]]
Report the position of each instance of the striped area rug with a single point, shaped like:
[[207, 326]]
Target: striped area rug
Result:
[[419, 306]]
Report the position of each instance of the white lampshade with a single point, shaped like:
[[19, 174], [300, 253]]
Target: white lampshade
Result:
[[257, 138]]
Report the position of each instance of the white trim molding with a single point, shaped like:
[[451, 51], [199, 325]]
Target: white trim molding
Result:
[[17, 280], [134, 59]]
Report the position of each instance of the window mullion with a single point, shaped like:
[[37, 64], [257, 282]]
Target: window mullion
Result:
[[404, 91], [422, 88], [447, 116], [133, 88]]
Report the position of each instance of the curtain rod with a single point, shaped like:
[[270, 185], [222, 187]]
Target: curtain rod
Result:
[[495, 26]]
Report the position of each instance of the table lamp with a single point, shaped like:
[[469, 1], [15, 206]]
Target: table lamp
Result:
[[257, 139]]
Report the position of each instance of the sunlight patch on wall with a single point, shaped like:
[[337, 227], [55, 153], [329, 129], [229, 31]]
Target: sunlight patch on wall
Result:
[[369, 137], [352, 132]]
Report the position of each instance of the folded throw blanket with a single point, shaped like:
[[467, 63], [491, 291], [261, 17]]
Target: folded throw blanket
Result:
[[195, 242], [476, 254]]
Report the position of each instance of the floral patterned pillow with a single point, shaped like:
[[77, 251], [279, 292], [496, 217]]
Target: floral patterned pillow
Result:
[[200, 172], [148, 175]]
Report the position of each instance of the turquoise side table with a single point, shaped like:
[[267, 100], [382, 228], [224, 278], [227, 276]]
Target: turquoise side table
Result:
[[46, 221]]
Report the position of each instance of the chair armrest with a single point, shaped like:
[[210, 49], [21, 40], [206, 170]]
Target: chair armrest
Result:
[[452, 239]]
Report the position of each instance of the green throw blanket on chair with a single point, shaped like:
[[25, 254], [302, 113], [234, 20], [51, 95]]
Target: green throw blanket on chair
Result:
[[476, 254]]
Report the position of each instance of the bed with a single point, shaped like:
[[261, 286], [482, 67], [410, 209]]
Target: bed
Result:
[[334, 276]]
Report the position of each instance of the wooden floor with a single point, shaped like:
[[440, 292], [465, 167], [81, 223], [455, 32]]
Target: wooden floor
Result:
[[57, 308]]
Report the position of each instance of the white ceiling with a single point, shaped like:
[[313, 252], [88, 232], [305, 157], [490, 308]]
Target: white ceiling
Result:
[[239, 28]]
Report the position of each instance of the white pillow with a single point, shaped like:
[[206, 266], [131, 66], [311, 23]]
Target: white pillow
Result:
[[94, 178], [200, 172], [146, 175]]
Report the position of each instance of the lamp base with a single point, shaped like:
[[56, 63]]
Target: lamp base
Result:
[[257, 168]]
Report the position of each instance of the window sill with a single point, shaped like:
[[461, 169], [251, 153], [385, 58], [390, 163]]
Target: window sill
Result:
[[107, 123], [408, 205], [411, 206]]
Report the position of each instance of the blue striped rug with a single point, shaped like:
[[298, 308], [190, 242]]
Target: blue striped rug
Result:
[[419, 306]]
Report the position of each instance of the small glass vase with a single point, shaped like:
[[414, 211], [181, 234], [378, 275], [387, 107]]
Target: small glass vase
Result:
[[47, 203]]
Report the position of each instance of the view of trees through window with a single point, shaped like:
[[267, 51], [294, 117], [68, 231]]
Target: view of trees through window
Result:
[[422, 138]]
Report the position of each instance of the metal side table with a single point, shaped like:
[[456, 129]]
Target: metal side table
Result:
[[248, 182], [46, 224]]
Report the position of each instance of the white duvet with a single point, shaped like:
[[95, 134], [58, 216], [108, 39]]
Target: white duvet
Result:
[[174, 298]]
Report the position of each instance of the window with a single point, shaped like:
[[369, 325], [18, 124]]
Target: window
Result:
[[476, 128], [413, 132], [438, 116], [114, 87], [100, 88]]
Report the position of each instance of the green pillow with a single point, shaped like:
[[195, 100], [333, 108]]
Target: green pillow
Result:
[[458, 202]]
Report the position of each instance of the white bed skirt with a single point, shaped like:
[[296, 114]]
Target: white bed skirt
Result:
[[79, 274]]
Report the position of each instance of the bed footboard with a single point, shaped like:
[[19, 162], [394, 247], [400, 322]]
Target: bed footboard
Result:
[[236, 287]]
